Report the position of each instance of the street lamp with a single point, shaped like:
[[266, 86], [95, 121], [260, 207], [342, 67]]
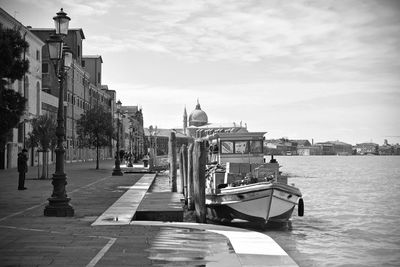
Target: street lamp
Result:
[[130, 145], [61, 56], [117, 169]]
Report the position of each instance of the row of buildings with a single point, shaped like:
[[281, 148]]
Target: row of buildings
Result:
[[285, 146], [83, 89], [197, 124]]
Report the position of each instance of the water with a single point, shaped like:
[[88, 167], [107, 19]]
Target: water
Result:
[[352, 211]]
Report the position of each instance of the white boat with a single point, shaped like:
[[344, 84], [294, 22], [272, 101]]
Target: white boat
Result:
[[240, 185]]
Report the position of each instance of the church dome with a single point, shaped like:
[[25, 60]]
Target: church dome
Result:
[[198, 117]]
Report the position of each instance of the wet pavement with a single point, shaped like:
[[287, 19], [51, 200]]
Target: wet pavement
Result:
[[191, 247]]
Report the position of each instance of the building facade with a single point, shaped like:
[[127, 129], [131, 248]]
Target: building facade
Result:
[[80, 94], [29, 87], [133, 131], [82, 91]]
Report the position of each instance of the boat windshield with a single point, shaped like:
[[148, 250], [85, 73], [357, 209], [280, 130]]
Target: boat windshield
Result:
[[241, 147]]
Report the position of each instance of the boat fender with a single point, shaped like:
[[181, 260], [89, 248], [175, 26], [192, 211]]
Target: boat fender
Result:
[[300, 208]]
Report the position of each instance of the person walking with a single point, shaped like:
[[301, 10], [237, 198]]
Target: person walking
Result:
[[22, 168]]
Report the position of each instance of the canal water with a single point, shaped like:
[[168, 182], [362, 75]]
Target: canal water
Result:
[[352, 211]]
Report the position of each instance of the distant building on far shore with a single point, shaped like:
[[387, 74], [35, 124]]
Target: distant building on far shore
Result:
[[396, 149], [335, 148], [282, 146], [386, 149], [327, 148], [199, 125], [303, 147], [341, 148], [309, 150], [367, 149]]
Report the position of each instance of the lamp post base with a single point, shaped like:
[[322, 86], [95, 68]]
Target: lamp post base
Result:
[[117, 172], [59, 207]]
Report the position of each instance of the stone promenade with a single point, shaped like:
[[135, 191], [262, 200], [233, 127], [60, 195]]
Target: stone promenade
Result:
[[27, 238]]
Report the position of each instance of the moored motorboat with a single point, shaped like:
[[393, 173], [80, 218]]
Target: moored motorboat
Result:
[[240, 185]]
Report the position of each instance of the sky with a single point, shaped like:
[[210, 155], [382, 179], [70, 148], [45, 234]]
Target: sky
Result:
[[317, 70]]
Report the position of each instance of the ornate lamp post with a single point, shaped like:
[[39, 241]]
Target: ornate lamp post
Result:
[[117, 169], [61, 56]]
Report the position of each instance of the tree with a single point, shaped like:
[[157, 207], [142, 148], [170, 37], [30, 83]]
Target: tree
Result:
[[95, 129], [43, 135], [12, 67]]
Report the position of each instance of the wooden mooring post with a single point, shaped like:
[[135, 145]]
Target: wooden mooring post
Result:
[[172, 160], [179, 178], [190, 190], [199, 181], [184, 170]]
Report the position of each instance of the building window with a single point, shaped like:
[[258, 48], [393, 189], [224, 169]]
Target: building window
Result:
[[45, 68], [99, 78], [79, 51], [83, 63], [38, 55]]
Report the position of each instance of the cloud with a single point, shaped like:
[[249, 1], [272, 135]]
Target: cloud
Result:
[[82, 8], [75, 8], [294, 38]]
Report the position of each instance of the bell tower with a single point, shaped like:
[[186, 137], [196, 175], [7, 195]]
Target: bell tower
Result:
[[184, 120]]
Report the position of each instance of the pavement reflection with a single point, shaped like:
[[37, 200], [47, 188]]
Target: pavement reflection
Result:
[[191, 247]]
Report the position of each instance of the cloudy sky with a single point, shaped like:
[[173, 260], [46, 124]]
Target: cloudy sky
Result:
[[322, 70]]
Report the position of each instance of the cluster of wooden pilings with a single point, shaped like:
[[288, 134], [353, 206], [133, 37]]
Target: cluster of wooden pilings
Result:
[[192, 169]]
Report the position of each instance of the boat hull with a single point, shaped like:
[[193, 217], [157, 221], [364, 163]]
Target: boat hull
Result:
[[259, 202]]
